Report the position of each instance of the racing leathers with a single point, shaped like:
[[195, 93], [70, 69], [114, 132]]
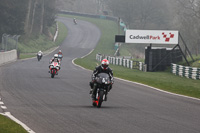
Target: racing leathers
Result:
[[55, 60], [98, 70]]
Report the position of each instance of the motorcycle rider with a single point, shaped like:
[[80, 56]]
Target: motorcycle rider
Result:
[[39, 54], [60, 52], [55, 59], [74, 19], [103, 68]]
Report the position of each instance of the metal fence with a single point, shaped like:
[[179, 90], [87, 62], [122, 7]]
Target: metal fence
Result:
[[9, 42], [121, 61]]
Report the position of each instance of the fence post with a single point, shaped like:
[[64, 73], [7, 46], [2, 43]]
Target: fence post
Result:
[[131, 64]]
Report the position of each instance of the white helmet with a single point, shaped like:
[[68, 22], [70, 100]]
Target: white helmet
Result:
[[55, 56], [59, 51]]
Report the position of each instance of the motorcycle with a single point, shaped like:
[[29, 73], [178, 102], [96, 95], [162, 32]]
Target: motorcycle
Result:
[[75, 22], [103, 83], [39, 56], [54, 68]]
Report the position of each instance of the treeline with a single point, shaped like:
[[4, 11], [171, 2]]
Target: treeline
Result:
[[82, 6], [181, 15], [26, 17]]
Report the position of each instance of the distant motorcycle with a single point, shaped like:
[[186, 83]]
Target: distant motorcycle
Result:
[[103, 84], [75, 22], [39, 56], [54, 68]]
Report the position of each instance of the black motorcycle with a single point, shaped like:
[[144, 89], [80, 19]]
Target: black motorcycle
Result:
[[39, 56], [75, 22], [103, 83]]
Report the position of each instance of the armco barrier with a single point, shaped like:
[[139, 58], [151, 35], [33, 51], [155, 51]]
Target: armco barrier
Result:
[[8, 56], [185, 71], [120, 61], [89, 15]]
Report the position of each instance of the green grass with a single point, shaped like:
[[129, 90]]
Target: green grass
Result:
[[106, 44], [61, 34], [162, 80], [197, 61], [42, 43], [27, 55], [9, 126]]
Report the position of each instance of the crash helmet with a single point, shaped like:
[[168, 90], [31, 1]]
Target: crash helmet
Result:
[[55, 56], [104, 64], [59, 51]]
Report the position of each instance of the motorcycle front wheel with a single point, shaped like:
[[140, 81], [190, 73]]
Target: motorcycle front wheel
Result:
[[53, 74], [100, 99]]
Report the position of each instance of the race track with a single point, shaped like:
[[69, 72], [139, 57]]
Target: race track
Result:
[[63, 104]]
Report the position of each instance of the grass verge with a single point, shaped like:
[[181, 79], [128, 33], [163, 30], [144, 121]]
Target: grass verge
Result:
[[42, 43], [9, 126], [162, 80]]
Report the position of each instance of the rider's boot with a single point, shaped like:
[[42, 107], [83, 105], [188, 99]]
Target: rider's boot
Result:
[[105, 98], [90, 91], [94, 93]]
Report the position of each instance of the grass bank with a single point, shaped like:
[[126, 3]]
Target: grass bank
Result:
[[42, 43], [162, 80], [9, 126]]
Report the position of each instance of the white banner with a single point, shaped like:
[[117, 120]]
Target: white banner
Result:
[[151, 36]]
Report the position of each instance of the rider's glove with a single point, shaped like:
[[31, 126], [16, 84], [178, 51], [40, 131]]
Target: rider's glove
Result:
[[93, 79]]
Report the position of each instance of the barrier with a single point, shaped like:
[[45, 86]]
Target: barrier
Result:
[[89, 15], [185, 71], [120, 61], [8, 56]]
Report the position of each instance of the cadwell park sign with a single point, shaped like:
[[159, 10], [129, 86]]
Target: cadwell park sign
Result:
[[151, 36]]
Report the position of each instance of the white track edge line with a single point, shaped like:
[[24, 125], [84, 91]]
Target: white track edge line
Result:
[[43, 55], [87, 54], [144, 85], [3, 107], [8, 114]]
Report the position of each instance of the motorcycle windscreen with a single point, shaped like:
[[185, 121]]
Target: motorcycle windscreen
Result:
[[103, 78]]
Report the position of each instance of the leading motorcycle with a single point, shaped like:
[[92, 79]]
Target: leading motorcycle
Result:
[[103, 84], [54, 68]]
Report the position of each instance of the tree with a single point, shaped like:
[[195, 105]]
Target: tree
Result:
[[189, 19], [12, 16], [141, 14]]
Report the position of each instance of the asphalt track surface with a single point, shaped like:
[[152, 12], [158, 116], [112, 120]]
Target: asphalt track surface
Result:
[[63, 105]]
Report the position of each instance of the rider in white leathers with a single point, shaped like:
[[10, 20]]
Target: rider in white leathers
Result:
[[55, 59]]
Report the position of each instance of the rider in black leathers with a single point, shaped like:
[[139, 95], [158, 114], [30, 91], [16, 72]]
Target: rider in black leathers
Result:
[[103, 68]]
